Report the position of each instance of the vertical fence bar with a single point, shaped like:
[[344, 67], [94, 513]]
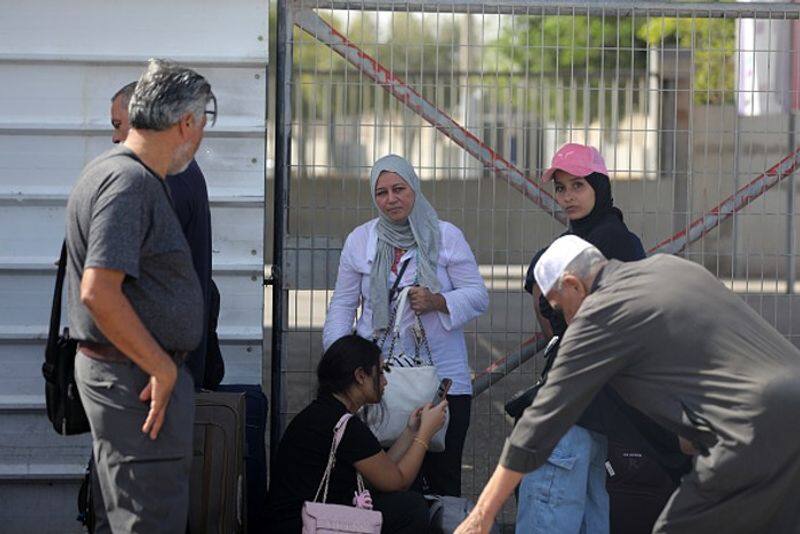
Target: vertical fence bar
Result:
[[283, 158], [791, 274]]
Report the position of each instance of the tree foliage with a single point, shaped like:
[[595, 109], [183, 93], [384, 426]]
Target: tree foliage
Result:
[[713, 42], [407, 43], [560, 44]]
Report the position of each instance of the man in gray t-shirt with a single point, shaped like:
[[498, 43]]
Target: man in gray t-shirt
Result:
[[136, 307]]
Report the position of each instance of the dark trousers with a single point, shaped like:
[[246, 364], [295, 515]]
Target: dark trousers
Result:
[[404, 512], [442, 470]]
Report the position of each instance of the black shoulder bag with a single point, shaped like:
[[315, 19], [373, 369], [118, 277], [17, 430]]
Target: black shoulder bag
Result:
[[64, 407], [517, 404]]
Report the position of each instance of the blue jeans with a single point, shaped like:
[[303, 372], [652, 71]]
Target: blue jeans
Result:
[[567, 494]]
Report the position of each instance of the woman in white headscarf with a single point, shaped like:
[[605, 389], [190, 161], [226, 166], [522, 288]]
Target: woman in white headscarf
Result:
[[447, 293]]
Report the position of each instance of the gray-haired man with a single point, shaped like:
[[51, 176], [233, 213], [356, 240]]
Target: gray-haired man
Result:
[[136, 307], [190, 199], [683, 349]]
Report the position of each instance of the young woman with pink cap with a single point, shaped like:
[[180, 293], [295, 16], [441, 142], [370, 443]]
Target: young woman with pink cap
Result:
[[568, 494]]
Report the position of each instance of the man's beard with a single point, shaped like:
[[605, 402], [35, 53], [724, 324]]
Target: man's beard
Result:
[[182, 158]]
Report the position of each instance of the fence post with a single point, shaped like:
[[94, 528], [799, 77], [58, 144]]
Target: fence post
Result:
[[283, 141]]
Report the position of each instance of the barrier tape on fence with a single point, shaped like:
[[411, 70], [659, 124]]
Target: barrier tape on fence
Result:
[[500, 368], [729, 206]]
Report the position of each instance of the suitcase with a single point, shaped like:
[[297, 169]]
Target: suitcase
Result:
[[217, 479], [255, 452]]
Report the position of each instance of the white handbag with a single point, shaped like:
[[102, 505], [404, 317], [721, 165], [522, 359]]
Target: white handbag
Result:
[[411, 383]]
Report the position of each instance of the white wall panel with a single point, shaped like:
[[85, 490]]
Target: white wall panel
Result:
[[31, 230], [60, 63], [77, 95], [183, 29], [32, 163]]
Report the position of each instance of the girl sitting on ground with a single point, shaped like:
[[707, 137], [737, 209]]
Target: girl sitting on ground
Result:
[[350, 376]]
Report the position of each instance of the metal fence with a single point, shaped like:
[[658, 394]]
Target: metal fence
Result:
[[692, 106]]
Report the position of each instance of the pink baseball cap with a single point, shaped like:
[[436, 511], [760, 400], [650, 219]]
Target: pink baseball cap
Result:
[[578, 160]]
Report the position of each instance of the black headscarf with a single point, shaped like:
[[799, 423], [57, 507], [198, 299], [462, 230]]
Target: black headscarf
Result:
[[603, 205], [604, 227]]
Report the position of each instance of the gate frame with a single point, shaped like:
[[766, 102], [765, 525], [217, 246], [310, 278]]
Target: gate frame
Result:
[[287, 19]]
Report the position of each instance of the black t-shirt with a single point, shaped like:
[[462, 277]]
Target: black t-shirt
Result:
[[190, 200], [303, 456]]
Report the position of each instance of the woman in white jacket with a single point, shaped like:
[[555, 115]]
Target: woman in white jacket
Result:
[[447, 293]]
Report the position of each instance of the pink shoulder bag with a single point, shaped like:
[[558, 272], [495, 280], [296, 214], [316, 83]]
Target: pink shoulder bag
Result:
[[323, 518]]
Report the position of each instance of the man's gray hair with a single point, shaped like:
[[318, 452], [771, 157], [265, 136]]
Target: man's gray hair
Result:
[[126, 92], [584, 266], [166, 92]]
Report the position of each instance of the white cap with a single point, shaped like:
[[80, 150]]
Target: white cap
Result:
[[551, 265]]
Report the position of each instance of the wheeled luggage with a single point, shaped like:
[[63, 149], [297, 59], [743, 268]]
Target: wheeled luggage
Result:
[[217, 481]]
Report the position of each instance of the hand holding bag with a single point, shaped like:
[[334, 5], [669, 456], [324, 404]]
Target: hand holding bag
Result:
[[411, 383], [324, 518]]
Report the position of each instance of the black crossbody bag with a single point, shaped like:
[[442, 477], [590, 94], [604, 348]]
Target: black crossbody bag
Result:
[[64, 407], [519, 402]]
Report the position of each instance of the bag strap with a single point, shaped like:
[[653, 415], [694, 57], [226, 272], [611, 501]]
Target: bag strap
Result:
[[550, 352], [397, 280], [394, 323], [400, 310], [338, 433], [393, 312], [55, 311], [420, 334], [422, 340]]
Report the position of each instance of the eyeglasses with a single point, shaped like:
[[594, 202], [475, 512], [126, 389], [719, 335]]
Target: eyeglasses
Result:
[[211, 114]]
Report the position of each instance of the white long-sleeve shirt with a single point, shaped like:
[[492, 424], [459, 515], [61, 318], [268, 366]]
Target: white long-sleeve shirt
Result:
[[462, 288]]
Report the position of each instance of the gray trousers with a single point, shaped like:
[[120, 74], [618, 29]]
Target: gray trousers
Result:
[[143, 483]]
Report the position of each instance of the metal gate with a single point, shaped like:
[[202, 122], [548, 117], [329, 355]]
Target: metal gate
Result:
[[692, 105]]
